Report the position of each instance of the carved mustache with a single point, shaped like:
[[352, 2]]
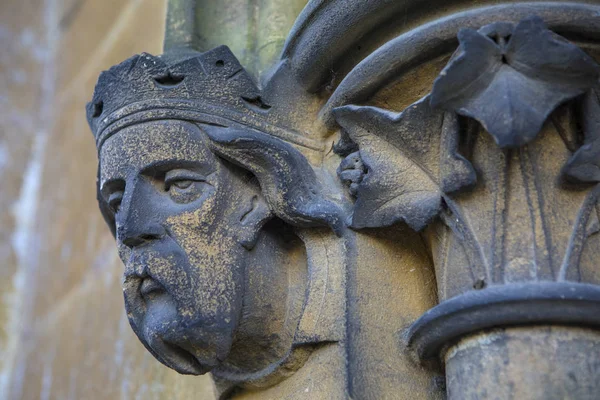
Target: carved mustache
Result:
[[139, 276], [152, 270], [138, 256], [136, 266]]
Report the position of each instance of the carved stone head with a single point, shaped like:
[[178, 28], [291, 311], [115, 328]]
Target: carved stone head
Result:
[[191, 176]]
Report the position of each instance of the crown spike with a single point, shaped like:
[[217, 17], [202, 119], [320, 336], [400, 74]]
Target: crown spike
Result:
[[211, 88]]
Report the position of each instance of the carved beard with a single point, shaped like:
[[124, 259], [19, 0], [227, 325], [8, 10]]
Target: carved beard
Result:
[[186, 322]]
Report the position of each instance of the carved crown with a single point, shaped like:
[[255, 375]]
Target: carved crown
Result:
[[210, 87]]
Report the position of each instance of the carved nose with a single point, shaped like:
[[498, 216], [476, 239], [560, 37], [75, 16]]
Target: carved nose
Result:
[[138, 220]]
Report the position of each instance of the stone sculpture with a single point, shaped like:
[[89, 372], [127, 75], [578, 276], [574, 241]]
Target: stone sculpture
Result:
[[210, 284], [263, 225]]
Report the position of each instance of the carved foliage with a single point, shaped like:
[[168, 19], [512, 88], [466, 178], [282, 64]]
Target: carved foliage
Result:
[[510, 79], [507, 78], [411, 161], [584, 165]]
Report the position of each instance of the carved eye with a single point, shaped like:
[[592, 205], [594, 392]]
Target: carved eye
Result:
[[184, 186], [114, 201]]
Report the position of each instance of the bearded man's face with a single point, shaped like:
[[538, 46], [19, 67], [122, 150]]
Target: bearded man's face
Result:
[[178, 210]]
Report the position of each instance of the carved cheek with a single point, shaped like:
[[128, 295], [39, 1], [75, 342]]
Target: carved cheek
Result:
[[192, 226], [214, 259]]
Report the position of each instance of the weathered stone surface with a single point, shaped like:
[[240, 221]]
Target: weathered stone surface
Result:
[[525, 363], [512, 217], [406, 186], [197, 240]]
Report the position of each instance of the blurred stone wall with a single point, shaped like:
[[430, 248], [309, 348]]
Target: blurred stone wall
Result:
[[63, 332]]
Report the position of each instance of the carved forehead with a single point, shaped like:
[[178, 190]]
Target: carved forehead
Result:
[[140, 146]]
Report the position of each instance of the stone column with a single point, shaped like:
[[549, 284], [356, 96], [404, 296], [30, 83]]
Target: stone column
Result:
[[540, 362], [497, 166]]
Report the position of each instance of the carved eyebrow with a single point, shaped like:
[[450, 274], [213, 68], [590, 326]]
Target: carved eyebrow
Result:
[[111, 186], [183, 174], [159, 168]]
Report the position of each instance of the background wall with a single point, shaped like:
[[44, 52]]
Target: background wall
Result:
[[63, 332]]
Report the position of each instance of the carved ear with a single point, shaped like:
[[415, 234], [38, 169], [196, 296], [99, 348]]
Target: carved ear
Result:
[[255, 213]]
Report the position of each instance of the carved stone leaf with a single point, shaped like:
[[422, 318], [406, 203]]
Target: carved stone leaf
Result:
[[401, 152], [584, 165], [510, 81]]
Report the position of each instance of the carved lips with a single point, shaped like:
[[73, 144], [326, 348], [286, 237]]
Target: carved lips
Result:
[[149, 287]]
